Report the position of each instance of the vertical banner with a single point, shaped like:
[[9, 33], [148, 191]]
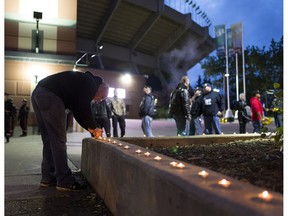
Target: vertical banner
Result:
[[220, 40], [230, 42], [237, 37]]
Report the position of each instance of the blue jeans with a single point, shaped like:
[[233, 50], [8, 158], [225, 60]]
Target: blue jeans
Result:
[[257, 125], [212, 122], [195, 127], [146, 126], [51, 116]]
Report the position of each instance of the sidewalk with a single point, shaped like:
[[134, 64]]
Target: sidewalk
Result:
[[23, 155]]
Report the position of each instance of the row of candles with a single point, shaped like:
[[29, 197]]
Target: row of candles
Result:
[[265, 195]]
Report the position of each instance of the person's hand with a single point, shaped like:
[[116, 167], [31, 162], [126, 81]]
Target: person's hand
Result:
[[219, 114], [97, 132]]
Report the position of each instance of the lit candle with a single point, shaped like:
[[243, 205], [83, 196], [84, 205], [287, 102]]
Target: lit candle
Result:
[[203, 174], [126, 147], [180, 165], [120, 144], [100, 138], [173, 163], [104, 138], [138, 151], [157, 158], [147, 154], [265, 196], [224, 183], [109, 140], [114, 142]]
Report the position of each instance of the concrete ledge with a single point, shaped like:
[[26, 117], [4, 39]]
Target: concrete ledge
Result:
[[186, 140], [133, 184]]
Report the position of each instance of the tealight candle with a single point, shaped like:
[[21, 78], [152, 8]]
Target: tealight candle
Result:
[[180, 165], [173, 163], [100, 138], [120, 144], [104, 138], [109, 140], [114, 142], [126, 147], [203, 174], [147, 154], [224, 183], [157, 158], [138, 151], [265, 196]]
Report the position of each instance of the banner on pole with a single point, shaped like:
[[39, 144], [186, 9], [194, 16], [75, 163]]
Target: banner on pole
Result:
[[237, 37], [220, 40], [230, 42]]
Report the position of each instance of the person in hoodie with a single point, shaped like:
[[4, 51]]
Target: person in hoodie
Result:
[[179, 107], [257, 111], [50, 99], [196, 111], [213, 106]]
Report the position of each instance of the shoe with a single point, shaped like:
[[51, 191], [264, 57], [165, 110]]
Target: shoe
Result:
[[74, 187], [47, 184]]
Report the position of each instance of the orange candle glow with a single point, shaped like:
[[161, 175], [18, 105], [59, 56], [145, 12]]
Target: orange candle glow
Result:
[[265, 196], [203, 174], [157, 158], [173, 163], [224, 183], [126, 147], [138, 151], [180, 165], [147, 154]]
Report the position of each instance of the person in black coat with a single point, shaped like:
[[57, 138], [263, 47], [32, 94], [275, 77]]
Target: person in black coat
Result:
[[50, 99], [102, 113], [213, 106], [196, 111], [23, 117]]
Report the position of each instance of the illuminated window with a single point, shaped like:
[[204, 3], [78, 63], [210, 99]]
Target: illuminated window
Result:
[[121, 92]]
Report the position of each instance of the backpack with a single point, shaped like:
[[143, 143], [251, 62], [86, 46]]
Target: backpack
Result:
[[247, 113], [151, 111], [173, 102]]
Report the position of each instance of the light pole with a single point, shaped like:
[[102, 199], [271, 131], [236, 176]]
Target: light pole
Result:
[[37, 16]]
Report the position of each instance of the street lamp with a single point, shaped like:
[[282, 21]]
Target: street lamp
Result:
[[37, 16]]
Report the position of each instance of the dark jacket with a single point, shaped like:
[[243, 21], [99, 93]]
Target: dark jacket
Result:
[[196, 108], [23, 112], [212, 103], [179, 101], [147, 106], [76, 90], [101, 109]]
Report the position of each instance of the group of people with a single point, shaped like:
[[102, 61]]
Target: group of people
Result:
[[103, 109], [187, 111], [11, 114], [85, 95]]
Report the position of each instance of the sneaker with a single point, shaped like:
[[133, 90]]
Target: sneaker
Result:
[[47, 184], [74, 187]]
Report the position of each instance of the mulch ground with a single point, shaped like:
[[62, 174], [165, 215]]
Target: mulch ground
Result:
[[257, 161]]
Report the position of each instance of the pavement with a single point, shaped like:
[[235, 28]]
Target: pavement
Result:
[[22, 165]]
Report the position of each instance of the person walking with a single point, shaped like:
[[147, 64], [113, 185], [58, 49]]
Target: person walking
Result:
[[147, 111], [243, 118], [101, 114], [213, 106], [196, 111], [179, 107], [118, 108], [50, 99], [257, 111], [23, 117]]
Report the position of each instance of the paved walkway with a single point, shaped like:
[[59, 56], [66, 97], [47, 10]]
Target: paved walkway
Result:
[[22, 173]]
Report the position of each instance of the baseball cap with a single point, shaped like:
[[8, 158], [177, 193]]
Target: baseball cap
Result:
[[206, 84]]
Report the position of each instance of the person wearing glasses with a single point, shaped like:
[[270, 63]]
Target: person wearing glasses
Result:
[[257, 111]]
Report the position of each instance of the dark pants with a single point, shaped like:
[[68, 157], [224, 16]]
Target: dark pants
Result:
[[51, 116], [104, 122], [180, 124], [23, 125], [121, 120]]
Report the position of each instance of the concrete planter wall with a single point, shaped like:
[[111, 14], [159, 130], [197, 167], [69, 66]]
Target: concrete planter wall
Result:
[[133, 184]]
